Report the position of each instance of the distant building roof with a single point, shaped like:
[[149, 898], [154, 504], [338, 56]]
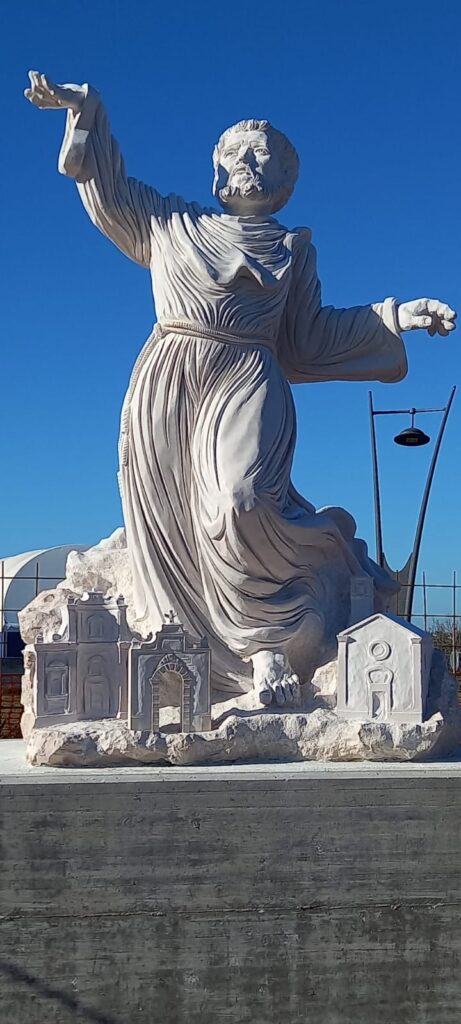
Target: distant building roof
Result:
[[24, 576]]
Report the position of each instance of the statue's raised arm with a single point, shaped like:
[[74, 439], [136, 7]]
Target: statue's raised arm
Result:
[[121, 207]]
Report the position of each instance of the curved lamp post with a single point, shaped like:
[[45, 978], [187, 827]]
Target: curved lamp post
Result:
[[411, 437]]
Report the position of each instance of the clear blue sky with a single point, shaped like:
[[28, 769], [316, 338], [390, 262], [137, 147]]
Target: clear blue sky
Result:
[[370, 94]]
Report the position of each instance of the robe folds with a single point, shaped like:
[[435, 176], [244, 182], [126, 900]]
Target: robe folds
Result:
[[215, 528]]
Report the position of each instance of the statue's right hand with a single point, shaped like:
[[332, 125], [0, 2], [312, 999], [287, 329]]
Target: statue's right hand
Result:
[[45, 94]]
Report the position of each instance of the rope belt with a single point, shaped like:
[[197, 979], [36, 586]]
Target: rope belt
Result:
[[195, 330], [189, 329]]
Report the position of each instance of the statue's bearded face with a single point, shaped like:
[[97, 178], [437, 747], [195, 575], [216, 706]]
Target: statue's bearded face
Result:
[[250, 175]]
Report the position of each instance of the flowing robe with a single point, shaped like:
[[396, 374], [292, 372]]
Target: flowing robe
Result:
[[215, 528]]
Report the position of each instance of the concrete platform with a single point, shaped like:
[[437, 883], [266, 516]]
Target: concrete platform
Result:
[[326, 893]]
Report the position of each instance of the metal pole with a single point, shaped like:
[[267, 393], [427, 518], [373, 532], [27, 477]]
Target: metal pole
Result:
[[401, 412], [423, 510], [425, 602], [2, 613], [377, 496]]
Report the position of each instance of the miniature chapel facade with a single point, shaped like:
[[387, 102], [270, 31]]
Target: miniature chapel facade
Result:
[[384, 665], [97, 668], [174, 651], [82, 672]]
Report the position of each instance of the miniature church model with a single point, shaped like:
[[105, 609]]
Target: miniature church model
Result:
[[82, 673], [384, 665], [173, 651]]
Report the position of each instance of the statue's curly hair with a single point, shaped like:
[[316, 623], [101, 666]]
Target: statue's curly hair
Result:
[[289, 154]]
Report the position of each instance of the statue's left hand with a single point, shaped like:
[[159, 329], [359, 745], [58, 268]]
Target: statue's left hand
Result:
[[46, 95], [435, 316]]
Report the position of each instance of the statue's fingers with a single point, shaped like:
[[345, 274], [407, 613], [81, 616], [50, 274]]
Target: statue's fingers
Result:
[[36, 80], [442, 309], [441, 327], [421, 322], [437, 325], [46, 87], [418, 306], [34, 97], [449, 325]]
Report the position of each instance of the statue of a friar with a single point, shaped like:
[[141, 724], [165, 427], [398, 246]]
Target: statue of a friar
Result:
[[214, 525]]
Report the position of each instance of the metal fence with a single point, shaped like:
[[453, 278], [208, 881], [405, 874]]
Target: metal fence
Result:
[[11, 666], [37, 584], [436, 611]]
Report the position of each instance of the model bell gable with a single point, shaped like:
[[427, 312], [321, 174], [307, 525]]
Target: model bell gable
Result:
[[384, 665]]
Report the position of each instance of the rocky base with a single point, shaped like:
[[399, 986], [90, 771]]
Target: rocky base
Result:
[[242, 729], [245, 735]]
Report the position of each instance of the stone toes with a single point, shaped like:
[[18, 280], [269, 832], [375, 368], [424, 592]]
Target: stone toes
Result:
[[279, 692], [295, 689], [265, 695], [291, 688]]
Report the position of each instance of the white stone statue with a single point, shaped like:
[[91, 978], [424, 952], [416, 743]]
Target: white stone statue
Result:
[[214, 525]]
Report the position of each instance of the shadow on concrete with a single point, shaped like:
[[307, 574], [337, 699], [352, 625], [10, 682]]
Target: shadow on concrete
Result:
[[39, 987]]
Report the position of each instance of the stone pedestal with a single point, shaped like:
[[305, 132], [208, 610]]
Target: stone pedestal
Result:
[[232, 895]]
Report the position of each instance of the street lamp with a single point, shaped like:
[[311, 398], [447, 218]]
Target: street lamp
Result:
[[410, 437]]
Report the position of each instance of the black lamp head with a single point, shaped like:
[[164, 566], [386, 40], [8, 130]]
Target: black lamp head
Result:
[[412, 437]]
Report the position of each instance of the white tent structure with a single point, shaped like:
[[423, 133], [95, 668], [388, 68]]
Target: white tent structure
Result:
[[24, 576]]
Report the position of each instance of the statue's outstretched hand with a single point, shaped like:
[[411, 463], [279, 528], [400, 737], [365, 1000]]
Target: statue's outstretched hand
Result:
[[45, 94], [435, 316]]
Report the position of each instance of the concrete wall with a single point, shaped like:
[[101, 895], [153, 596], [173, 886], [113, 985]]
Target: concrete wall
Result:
[[231, 896]]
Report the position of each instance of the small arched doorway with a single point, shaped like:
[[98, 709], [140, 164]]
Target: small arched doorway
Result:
[[174, 664]]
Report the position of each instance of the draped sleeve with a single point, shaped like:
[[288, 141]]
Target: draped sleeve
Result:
[[120, 206], [321, 343]]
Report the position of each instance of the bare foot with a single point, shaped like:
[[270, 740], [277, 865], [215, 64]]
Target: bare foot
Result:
[[273, 679]]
